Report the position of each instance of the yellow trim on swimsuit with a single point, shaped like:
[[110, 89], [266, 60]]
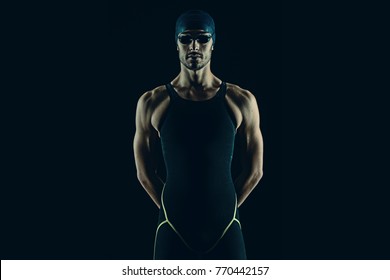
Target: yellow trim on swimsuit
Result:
[[182, 239]]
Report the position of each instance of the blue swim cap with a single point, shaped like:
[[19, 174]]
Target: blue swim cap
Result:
[[195, 19]]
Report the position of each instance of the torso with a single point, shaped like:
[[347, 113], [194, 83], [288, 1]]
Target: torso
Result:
[[197, 138], [197, 141]]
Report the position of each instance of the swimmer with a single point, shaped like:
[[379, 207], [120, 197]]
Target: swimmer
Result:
[[199, 121]]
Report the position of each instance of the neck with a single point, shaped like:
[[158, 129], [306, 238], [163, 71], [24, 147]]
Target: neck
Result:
[[197, 78]]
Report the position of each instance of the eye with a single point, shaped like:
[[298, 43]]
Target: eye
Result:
[[185, 39], [203, 39]]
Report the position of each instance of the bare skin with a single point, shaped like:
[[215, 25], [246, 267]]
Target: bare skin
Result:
[[196, 82]]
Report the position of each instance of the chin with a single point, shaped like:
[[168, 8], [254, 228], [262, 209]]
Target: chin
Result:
[[194, 66]]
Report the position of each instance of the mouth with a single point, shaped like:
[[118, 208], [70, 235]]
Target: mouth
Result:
[[194, 55]]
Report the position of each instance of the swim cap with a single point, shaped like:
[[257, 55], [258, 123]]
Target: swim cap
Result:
[[195, 19]]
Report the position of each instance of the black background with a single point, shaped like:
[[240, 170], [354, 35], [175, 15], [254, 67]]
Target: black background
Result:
[[75, 72]]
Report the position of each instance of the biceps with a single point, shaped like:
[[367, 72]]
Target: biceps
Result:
[[141, 152], [146, 151]]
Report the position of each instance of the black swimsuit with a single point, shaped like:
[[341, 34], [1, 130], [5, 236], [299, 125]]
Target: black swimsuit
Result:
[[198, 218]]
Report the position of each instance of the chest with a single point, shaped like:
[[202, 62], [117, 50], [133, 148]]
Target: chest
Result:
[[197, 123]]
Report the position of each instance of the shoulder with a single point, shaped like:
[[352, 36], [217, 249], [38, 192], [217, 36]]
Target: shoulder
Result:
[[151, 107], [152, 98], [241, 97]]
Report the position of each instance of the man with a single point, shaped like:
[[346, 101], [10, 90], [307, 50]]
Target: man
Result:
[[196, 119]]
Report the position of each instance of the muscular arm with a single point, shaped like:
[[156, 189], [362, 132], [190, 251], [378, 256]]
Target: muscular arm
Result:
[[145, 141], [250, 149]]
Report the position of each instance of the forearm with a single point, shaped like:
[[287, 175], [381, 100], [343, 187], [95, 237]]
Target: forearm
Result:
[[153, 186], [245, 183]]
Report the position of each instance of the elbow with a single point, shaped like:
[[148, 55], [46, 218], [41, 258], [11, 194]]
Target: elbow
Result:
[[260, 174], [142, 178], [257, 175]]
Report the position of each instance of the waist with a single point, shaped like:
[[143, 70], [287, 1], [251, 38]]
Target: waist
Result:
[[206, 199]]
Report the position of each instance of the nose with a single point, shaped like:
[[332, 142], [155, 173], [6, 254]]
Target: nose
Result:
[[194, 45]]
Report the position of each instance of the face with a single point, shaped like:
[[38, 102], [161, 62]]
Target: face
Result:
[[195, 48]]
